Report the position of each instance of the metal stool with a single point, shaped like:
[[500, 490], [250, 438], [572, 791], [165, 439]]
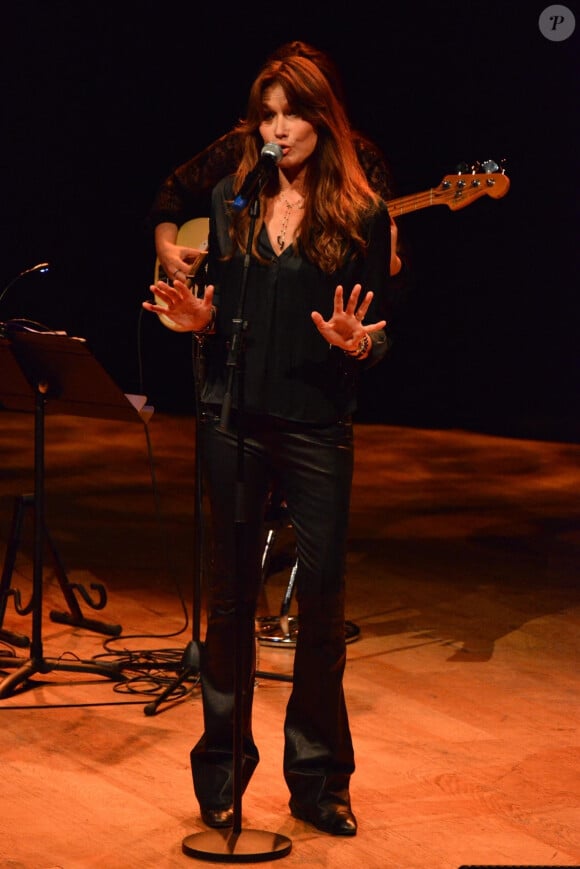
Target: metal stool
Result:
[[282, 630]]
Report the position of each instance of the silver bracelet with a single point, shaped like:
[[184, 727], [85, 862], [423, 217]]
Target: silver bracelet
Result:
[[362, 348], [210, 326]]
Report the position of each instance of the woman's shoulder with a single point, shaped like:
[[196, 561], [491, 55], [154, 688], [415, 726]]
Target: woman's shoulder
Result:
[[224, 189], [374, 165]]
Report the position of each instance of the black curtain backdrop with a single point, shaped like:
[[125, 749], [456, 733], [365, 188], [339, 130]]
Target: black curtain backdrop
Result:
[[101, 100]]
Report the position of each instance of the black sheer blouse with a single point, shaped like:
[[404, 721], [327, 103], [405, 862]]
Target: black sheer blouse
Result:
[[290, 372]]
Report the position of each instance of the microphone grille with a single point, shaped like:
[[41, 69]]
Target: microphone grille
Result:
[[273, 150]]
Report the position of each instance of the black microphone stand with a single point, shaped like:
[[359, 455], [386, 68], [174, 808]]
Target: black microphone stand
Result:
[[190, 661], [237, 845]]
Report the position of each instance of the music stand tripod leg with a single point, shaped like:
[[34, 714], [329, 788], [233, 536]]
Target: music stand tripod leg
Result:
[[36, 662], [75, 617]]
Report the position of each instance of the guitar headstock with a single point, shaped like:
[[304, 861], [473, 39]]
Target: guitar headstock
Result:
[[484, 179]]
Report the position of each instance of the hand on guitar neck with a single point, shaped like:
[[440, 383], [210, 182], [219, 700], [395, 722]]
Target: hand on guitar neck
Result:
[[181, 251]]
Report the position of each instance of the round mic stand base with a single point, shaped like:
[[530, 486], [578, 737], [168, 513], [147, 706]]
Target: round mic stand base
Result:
[[229, 846]]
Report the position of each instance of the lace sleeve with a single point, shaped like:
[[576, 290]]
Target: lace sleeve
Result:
[[186, 193], [375, 167]]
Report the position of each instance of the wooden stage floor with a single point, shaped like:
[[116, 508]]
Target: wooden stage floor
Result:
[[462, 685]]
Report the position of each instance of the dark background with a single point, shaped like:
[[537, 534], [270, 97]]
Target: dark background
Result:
[[101, 100]]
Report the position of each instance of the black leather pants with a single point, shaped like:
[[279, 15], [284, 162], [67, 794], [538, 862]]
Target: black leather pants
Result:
[[313, 467]]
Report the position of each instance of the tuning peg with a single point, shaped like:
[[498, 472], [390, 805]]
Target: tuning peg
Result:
[[461, 169], [489, 167]]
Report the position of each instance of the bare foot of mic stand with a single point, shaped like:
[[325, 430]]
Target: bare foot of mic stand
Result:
[[189, 669]]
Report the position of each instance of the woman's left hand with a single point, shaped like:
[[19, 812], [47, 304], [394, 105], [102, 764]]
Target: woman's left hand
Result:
[[176, 302], [345, 327]]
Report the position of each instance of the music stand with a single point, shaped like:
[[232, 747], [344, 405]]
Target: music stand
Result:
[[44, 372]]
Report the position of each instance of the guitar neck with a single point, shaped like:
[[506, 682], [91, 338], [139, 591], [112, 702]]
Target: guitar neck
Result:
[[455, 191], [414, 202]]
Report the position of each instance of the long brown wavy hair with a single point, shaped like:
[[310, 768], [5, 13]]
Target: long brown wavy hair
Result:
[[337, 196]]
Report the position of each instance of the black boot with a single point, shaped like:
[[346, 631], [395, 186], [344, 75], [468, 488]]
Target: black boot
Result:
[[334, 818]]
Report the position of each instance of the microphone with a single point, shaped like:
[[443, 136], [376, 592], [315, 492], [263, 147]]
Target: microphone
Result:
[[270, 156], [39, 267]]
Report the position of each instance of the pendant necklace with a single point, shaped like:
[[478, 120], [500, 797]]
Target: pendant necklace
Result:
[[290, 206]]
